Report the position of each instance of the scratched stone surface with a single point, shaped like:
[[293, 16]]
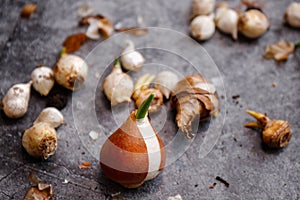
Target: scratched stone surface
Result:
[[252, 170]]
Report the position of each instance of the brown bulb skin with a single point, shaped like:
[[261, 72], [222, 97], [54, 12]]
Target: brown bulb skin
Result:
[[124, 156]]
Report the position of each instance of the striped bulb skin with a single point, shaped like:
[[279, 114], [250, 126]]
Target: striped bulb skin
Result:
[[133, 154]]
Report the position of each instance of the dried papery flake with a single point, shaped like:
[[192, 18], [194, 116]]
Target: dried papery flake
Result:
[[275, 134], [98, 25], [27, 10], [41, 191], [193, 96], [279, 51], [73, 42]]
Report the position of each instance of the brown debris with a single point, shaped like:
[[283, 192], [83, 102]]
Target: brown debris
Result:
[[236, 97], [279, 51], [27, 10], [218, 178], [85, 165], [212, 186], [73, 42], [33, 179], [274, 84]]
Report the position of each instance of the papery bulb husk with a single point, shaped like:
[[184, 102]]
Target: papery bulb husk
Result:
[[227, 20], [202, 27], [42, 192], [15, 102], [40, 141], [124, 157], [193, 96], [51, 116], [131, 59], [42, 80], [165, 81], [156, 103], [253, 23], [118, 86], [292, 14], [277, 133], [92, 31], [202, 7], [70, 71]]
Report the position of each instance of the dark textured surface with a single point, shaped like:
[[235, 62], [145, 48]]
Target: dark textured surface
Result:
[[252, 170]]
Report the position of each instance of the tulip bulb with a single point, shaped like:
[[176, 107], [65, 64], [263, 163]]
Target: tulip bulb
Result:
[[227, 20], [118, 86], [42, 80], [40, 141], [292, 14], [275, 134], [253, 23], [15, 102], [134, 153], [142, 92], [51, 116], [165, 81], [202, 7], [70, 71], [202, 27], [131, 59]]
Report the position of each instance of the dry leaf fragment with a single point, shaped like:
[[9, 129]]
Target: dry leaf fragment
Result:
[[33, 179], [27, 10], [279, 51], [41, 191], [137, 31], [73, 42], [98, 25]]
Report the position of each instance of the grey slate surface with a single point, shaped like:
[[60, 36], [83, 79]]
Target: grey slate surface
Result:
[[253, 171]]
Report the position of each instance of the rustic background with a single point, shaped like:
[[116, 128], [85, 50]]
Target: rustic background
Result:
[[252, 170]]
